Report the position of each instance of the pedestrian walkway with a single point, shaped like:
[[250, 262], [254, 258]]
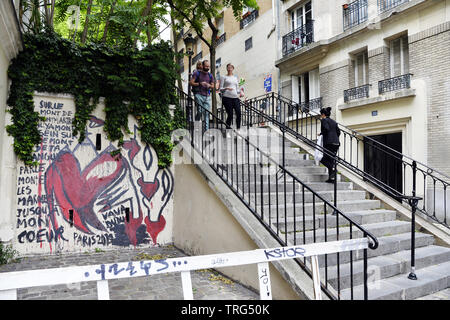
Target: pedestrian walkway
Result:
[[206, 284]]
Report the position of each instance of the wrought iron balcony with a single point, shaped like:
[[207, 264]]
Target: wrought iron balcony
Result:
[[221, 39], [197, 58], [356, 93], [354, 13], [249, 18], [395, 83], [299, 38], [307, 106], [385, 5]]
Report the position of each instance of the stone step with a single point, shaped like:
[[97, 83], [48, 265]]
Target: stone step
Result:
[[307, 169], [318, 207], [387, 245], [318, 222], [244, 160], [431, 279], [316, 186], [240, 151], [383, 267], [379, 229], [244, 173], [343, 195]]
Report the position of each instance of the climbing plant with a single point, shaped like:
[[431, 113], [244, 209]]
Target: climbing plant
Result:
[[133, 82]]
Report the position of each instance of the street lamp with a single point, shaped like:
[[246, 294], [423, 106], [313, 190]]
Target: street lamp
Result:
[[189, 44]]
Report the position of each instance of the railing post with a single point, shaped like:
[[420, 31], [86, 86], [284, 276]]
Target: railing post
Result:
[[273, 106], [366, 289], [413, 203], [334, 173]]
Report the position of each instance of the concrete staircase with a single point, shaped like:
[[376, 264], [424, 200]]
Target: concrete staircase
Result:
[[389, 264]]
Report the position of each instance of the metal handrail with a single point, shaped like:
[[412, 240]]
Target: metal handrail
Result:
[[220, 124], [279, 119]]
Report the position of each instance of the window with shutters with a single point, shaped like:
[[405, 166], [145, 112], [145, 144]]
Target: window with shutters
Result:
[[399, 56], [361, 68]]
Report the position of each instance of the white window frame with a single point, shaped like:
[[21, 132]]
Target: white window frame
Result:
[[294, 17], [356, 68], [392, 55], [298, 86]]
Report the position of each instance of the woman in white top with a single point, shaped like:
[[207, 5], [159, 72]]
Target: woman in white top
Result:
[[231, 92]]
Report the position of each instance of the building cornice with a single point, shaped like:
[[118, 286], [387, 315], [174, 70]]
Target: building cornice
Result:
[[10, 35]]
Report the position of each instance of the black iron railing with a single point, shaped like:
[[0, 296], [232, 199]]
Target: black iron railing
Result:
[[395, 83], [415, 184], [299, 38], [432, 185], [313, 104], [357, 93], [275, 196], [197, 57], [385, 5], [222, 39], [355, 13], [249, 18]]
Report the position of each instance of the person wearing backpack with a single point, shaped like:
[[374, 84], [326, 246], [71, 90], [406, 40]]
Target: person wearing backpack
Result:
[[204, 81]]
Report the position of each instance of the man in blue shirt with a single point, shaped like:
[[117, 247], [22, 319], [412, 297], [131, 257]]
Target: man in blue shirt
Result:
[[205, 82]]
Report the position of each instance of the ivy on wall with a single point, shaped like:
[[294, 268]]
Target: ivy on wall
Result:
[[140, 83]]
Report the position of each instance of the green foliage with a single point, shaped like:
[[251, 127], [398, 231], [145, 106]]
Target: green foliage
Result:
[[133, 82], [7, 254]]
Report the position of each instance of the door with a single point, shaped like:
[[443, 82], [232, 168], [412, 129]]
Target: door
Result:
[[382, 163]]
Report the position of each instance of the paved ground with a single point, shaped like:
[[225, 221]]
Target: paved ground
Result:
[[206, 284]]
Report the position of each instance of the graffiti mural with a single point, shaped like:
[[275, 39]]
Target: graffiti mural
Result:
[[81, 196]]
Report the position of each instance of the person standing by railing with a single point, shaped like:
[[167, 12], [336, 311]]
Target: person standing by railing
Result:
[[195, 88], [330, 132], [204, 80], [229, 86]]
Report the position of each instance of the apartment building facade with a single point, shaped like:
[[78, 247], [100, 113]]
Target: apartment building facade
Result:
[[382, 65]]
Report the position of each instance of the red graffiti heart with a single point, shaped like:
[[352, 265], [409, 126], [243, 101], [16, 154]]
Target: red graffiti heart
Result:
[[78, 190], [154, 228]]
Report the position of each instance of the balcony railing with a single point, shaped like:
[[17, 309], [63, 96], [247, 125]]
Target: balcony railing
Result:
[[221, 39], [297, 39], [395, 83], [197, 58], [249, 18], [305, 107], [354, 13], [356, 93], [385, 5]]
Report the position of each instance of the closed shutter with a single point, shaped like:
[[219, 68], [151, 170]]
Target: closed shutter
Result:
[[405, 54], [396, 64], [314, 84]]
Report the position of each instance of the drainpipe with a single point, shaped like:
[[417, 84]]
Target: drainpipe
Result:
[[277, 25]]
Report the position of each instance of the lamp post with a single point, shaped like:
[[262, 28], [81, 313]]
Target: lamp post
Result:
[[189, 44]]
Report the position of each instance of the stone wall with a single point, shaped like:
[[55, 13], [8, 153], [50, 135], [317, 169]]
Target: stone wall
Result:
[[430, 61]]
